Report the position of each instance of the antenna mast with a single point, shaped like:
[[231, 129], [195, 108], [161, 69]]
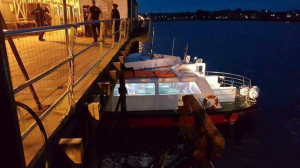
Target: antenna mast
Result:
[[151, 51], [173, 46]]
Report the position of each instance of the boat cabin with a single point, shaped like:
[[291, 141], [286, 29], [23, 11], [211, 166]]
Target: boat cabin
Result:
[[160, 82]]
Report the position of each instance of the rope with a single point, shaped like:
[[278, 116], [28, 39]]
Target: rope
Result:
[[70, 87]]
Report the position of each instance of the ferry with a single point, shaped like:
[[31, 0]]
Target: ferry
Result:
[[156, 84]]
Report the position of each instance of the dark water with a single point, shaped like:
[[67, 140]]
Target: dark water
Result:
[[266, 52], [269, 54]]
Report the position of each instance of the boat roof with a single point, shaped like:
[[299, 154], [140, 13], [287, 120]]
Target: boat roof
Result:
[[150, 74], [160, 66]]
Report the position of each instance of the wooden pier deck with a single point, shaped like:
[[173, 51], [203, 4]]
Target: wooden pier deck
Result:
[[39, 56]]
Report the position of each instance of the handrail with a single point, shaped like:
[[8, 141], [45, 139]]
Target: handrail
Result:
[[238, 79], [98, 21], [33, 125], [45, 73], [72, 56], [53, 28], [226, 73], [70, 59], [50, 70], [234, 77], [82, 51], [26, 133], [36, 30], [92, 67], [40, 76]]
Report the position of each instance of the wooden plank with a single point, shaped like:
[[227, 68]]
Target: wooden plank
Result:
[[94, 110], [124, 53], [105, 87], [73, 147], [122, 60], [117, 65], [113, 75]]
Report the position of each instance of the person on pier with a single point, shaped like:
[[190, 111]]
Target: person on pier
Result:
[[116, 15], [39, 19], [95, 14]]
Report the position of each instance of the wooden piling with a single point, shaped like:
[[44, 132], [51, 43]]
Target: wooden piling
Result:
[[209, 142]]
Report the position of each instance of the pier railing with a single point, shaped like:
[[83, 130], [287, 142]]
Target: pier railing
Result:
[[52, 75], [229, 79]]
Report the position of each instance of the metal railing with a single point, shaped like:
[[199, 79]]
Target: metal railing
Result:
[[231, 79], [70, 42]]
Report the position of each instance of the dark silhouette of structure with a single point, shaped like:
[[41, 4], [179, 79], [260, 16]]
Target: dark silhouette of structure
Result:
[[227, 14]]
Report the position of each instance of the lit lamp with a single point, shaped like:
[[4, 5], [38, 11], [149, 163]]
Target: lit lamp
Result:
[[195, 59]]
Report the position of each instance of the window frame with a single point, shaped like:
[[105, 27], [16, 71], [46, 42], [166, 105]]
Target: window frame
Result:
[[160, 94], [118, 85]]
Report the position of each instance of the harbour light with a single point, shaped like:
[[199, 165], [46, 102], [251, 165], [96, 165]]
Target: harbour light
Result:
[[254, 92]]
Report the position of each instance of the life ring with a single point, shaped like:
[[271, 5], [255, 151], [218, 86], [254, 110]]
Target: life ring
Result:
[[205, 102]]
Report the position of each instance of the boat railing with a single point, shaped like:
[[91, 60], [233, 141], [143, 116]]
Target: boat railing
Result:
[[229, 79], [59, 72]]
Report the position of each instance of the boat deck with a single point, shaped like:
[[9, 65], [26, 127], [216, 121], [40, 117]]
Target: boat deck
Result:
[[240, 104], [39, 56]]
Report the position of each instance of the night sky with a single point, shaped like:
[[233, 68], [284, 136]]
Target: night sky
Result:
[[155, 6]]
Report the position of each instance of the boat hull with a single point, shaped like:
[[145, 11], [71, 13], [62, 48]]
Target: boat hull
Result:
[[134, 120]]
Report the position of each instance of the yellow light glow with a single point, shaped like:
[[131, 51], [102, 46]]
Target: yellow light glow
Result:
[[11, 7]]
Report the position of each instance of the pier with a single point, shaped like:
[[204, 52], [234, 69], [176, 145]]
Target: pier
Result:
[[51, 76]]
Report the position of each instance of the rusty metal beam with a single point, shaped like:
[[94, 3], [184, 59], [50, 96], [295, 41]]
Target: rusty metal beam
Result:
[[11, 152]]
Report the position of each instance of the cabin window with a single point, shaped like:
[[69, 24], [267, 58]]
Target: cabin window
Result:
[[177, 88], [137, 89]]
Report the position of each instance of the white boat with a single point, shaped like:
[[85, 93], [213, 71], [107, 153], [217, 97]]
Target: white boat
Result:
[[156, 84]]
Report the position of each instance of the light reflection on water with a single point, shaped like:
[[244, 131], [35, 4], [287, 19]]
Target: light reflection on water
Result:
[[269, 54]]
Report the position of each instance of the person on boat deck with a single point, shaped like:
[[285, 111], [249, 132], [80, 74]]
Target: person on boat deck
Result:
[[39, 19], [95, 14], [116, 15]]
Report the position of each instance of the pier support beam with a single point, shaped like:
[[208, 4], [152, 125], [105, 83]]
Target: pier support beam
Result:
[[73, 147], [122, 89], [105, 92], [11, 152]]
